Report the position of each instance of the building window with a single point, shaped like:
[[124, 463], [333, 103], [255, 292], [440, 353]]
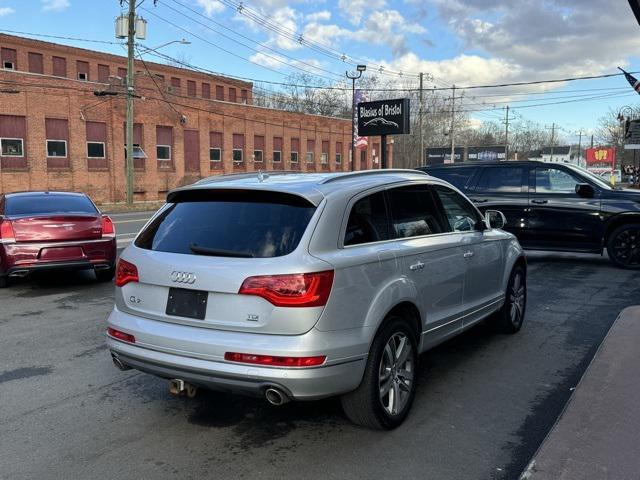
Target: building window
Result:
[[338, 158], [8, 65], [56, 148], [163, 152], [338, 153], [277, 156], [232, 94], [11, 147], [59, 65], [95, 150], [237, 155], [191, 88], [206, 90], [219, 92], [238, 147], [324, 158], [82, 76], [257, 156], [215, 154], [294, 157], [309, 157], [82, 68], [9, 58], [103, 73], [138, 152], [244, 96], [36, 64], [311, 146], [258, 148]]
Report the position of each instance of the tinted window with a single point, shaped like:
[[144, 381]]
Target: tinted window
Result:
[[48, 203], [500, 179], [554, 180], [458, 177], [461, 215], [414, 212], [368, 221], [229, 223]]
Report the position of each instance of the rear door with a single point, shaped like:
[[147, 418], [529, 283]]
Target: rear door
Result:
[[429, 256], [504, 187], [53, 217], [558, 217]]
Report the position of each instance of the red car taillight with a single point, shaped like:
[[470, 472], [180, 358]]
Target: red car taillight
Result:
[[125, 337], [273, 361], [293, 290], [6, 232], [125, 272], [108, 228]]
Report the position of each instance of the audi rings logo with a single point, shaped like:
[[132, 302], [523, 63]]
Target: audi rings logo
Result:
[[183, 277]]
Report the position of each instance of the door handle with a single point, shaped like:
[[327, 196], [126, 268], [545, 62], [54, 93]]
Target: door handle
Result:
[[468, 254], [416, 266], [480, 200], [539, 201]]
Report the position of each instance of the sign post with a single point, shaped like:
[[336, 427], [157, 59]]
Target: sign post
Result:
[[382, 118]]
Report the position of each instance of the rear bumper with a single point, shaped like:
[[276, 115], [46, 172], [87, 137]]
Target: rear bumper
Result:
[[340, 374], [19, 259]]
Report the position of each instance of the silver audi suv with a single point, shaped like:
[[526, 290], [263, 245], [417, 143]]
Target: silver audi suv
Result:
[[297, 286]]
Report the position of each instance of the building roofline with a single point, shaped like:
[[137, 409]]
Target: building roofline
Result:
[[4, 37]]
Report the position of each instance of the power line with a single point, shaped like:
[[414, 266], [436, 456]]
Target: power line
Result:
[[60, 37]]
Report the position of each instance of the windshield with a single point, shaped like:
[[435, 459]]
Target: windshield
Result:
[[229, 224], [592, 177], [49, 204]]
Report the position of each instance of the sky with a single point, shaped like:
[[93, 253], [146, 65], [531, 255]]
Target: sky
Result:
[[461, 42]]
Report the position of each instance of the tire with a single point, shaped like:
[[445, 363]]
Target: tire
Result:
[[4, 282], [104, 276], [510, 317], [366, 406], [623, 246]]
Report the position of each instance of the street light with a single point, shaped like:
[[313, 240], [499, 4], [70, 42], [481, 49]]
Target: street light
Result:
[[360, 69], [182, 41]]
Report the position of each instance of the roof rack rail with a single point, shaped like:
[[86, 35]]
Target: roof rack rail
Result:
[[363, 173], [235, 176]]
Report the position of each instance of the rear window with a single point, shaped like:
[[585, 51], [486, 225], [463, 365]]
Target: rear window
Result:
[[229, 224], [458, 177], [48, 204]]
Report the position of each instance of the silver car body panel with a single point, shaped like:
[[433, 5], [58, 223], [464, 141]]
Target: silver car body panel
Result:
[[462, 277]]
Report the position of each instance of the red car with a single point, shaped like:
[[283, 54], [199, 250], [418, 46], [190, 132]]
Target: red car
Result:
[[54, 230]]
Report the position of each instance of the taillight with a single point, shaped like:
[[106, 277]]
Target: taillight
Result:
[[292, 290], [274, 361], [108, 229], [125, 337], [125, 272], [6, 232]]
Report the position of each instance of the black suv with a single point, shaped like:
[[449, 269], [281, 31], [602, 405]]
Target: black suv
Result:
[[551, 206]]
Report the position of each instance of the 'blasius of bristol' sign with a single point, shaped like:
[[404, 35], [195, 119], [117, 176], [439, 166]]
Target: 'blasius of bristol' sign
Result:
[[383, 117]]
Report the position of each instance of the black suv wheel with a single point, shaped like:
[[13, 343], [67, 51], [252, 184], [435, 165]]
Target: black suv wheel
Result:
[[623, 246]]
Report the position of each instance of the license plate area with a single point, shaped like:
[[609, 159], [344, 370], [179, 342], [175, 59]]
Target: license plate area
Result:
[[187, 303]]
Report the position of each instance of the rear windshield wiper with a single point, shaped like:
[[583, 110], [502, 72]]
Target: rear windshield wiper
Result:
[[217, 252]]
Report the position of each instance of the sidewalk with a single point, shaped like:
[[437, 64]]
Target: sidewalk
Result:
[[598, 434]]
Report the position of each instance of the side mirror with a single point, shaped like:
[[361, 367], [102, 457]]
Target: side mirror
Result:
[[585, 190], [494, 219]]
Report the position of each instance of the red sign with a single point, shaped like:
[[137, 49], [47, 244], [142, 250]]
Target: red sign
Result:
[[601, 156]]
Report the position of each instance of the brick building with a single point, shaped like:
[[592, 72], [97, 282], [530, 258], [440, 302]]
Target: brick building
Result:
[[56, 134]]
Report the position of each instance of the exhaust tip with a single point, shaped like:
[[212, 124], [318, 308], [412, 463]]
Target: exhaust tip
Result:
[[118, 363], [275, 396], [19, 273]]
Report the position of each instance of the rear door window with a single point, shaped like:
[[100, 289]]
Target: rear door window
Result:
[[368, 221], [461, 215], [48, 204], [414, 212], [229, 224], [458, 177], [501, 179]]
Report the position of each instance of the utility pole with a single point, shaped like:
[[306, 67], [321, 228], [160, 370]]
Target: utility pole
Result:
[[452, 132], [506, 135], [591, 140], [579, 146], [130, 93], [553, 134], [353, 78], [422, 160]]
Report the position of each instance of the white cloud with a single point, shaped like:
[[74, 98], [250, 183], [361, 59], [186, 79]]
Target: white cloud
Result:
[[354, 10], [325, 34], [389, 28], [4, 11], [55, 5], [321, 16], [210, 6]]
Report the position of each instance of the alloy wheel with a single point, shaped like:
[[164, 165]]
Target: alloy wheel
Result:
[[396, 373], [517, 298], [626, 247]]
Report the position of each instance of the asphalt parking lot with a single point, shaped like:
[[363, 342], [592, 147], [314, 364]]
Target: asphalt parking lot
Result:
[[484, 401]]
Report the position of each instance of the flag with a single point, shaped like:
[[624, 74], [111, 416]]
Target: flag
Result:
[[360, 142], [633, 81]]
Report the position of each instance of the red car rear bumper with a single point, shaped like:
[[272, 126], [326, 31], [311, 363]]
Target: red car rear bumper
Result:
[[22, 257]]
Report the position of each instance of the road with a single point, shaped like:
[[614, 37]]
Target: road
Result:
[[128, 225], [483, 406]]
